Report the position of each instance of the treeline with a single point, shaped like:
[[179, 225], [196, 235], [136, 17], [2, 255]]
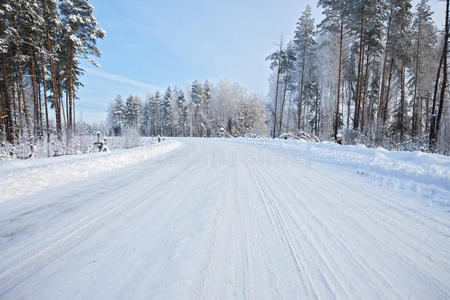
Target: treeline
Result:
[[41, 43], [373, 70], [203, 110]]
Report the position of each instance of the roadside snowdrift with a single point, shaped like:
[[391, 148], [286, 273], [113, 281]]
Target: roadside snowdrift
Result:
[[25, 177], [423, 173]]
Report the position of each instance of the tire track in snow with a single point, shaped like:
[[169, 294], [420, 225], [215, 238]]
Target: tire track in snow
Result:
[[362, 263], [413, 217], [212, 253], [228, 237], [387, 221], [270, 172], [259, 233], [278, 222], [414, 208], [82, 230], [373, 217]]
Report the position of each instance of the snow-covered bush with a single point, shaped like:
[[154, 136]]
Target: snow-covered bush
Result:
[[300, 135]]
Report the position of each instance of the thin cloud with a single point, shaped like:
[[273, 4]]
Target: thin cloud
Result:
[[121, 79]]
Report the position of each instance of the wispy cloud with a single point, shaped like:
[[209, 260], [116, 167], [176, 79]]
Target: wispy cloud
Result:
[[121, 79]]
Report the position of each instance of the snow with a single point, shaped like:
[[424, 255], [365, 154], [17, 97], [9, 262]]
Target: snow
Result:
[[227, 219], [25, 177], [418, 172]]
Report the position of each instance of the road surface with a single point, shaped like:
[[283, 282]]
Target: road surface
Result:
[[216, 219]]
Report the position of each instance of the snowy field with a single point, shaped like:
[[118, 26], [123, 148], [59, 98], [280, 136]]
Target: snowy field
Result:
[[227, 219]]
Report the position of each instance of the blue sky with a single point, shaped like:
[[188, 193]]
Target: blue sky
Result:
[[152, 44]]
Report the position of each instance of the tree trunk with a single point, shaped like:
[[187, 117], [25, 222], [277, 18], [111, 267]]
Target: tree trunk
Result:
[[419, 113], [316, 119], [39, 80], [427, 112], [19, 108], [444, 75], [350, 96], [69, 108], [52, 73], [15, 129], [67, 113], [73, 114], [386, 102], [300, 101], [276, 93], [358, 82], [402, 99], [366, 86], [35, 98], [341, 38], [19, 67], [282, 102], [289, 111], [416, 80], [7, 107], [59, 96], [45, 103], [383, 79], [433, 106]]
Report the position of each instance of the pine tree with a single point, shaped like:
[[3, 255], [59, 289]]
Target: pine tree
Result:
[[424, 47], [33, 48], [286, 67], [166, 112], [434, 134], [147, 116], [5, 40], [132, 111], [53, 30], [155, 110], [401, 43], [305, 43], [197, 101], [182, 112], [383, 100], [206, 90], [336, 16], [117, 115], [276, 59], [80, 34]]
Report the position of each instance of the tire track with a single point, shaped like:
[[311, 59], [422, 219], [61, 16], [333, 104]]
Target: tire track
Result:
[[332, 234], [381, 223], [279, 223], [68, 240]]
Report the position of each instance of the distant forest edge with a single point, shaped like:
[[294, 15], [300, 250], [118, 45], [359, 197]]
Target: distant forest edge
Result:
[[224, 109]]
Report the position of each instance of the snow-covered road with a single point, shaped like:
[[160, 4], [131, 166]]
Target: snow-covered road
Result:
[[215, 219]]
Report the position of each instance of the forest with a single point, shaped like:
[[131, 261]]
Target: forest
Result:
[[370, 72], [374, 72], [224, 109], [41, 45]]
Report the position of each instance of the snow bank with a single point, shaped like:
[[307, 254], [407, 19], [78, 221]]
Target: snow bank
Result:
[[418, 172], [26, 177]]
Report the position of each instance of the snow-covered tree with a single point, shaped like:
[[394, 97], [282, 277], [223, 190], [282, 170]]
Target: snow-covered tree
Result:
[[166, 112], [132, 111], [181, 109], [424, 62], [41, 42], [80, 34], [116, 115], [305, 44]]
